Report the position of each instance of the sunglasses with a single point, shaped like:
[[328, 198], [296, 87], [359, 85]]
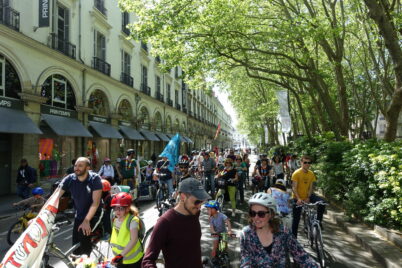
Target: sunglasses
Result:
[[119, 208], [307, 163], [260, 214]]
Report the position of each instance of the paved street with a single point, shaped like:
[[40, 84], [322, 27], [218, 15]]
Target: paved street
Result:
[[341, 249]]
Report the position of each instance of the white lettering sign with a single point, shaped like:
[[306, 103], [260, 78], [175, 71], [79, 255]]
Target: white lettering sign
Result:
[[59, 112], [45, 8]]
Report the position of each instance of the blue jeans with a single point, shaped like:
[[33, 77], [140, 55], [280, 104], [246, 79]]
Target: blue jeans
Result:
[[169, 184], [23, 191], [210, 182]]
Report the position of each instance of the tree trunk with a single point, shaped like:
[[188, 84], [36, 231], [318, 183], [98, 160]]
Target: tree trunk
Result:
[[379, 12]]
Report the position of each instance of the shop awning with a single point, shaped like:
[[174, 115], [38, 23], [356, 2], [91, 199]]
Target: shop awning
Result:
[[162, 136], [105, 130], [169, 135], [65, 126], [16, 121], [149, 135], [131, 133], [188, 139]]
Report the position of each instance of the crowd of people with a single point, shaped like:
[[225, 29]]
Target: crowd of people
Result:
[[279, 185]]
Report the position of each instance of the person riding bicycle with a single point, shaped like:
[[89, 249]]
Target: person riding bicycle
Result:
[[107, 171], [302, 186], [282, 198], [178, 231], [264, 242], [129, 169], [85, 187], [230, 177], [149, 170], [125, 241], [164, 175], [184, 169], [264, 172], [217, 223], [35, 202]]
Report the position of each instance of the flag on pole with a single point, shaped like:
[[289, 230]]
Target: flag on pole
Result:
[[217, 130], [172, 151], [27, 251]]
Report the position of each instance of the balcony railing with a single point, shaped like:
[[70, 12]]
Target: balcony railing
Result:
[[190, 113], [170, 102], [63, 46], [184, 110], [159, 96], [127, 79], [145, 89], [101, 65], [178, 106], [125, 30], [100, 5], [10, 18]]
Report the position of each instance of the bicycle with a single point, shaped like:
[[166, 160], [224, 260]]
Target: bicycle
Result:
[[18, 227], [145, 242], [162, 194], [312, 229], [222, 259], [52, 250]]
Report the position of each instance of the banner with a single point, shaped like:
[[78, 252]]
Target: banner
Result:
[[44, 9], [282, 96], [172, 152], [27, 251], [217, 130]]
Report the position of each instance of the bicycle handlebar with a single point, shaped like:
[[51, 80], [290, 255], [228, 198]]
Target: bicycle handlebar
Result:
[[312, 204], [220, 234]]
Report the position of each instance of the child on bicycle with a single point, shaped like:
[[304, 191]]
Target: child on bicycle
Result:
[[35, 202], [127, 232], [218, 222]]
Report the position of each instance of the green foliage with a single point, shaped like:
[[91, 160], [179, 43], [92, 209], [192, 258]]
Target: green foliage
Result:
[[365, 176]]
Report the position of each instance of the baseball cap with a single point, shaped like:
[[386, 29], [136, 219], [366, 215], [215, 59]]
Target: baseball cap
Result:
[[193, 187]]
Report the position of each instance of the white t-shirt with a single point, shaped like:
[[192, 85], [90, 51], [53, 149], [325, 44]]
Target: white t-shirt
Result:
[[117, 223]]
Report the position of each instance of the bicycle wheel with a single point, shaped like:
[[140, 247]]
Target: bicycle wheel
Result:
[[319, 246], [159, 198], [16, 229]]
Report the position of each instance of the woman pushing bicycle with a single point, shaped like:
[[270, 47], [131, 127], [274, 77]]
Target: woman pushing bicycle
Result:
[[125, 240], [266, 243]]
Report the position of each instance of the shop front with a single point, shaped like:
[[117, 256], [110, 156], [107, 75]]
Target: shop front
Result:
[[100, 147], [59, 143], [148, 149], [132, 139]]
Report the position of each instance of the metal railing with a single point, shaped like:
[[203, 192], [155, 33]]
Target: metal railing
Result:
[[62, 45], [127, 79], [184, 110], [100, 5], [178, 106], [145, 89], [10, 18], [144, 46], [170, 102], [101, 65], [159, 96]]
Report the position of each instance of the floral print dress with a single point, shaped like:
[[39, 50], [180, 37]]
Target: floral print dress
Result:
[[253, 254]]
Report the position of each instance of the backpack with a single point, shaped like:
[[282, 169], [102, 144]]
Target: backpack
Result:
[[141, 230]]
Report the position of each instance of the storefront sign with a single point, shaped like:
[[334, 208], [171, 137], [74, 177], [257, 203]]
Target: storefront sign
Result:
[[46, 109], [124, 123], [11, 103], [44, 9], [99, 119]]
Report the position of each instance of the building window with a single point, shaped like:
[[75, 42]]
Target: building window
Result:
[[158, 84], [125, 62], [143, 120], [176, 72], [176, 97], [59, 92], [98, 102], [2, 75], [100, 46], [125, 21], [100, 5], [158, 122], [63, 26], [125, 110], [168, 87], [10, 84], [144, 77]]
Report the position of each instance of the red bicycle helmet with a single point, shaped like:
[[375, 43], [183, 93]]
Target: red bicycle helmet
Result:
[[121, 200], [106, 187]]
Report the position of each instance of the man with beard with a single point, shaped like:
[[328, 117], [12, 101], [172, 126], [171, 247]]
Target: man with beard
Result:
[[85, 187], [178, 232]]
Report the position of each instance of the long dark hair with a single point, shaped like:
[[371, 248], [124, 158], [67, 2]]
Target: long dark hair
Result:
[[274, 222]]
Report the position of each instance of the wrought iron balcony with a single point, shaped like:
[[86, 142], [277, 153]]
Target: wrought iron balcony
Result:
[[178, 106], [62, 45], [184, 110], [10, 18], [159, 96], [145, 89], [170, 102], [101, 65], [127, 79], [144, 46], [100, 5]]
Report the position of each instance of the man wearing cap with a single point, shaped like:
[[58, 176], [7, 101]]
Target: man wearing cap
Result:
[[106, 171], [128, 169], [178, 232]]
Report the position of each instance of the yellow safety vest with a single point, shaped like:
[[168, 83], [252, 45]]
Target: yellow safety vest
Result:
[[120, 239]]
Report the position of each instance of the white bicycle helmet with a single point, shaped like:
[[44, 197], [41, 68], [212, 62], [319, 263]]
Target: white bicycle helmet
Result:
[[263, 199]]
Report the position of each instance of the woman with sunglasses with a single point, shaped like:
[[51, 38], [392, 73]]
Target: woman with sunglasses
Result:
[[229, 174], [264, 242], [125, 242]]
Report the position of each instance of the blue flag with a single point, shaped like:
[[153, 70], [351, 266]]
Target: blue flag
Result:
[[172, 151]]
